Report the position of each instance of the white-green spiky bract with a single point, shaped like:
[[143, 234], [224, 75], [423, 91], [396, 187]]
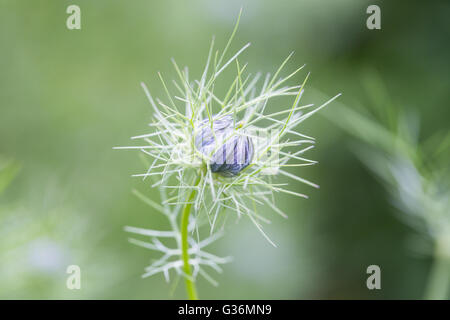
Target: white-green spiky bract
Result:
[[184, 176]]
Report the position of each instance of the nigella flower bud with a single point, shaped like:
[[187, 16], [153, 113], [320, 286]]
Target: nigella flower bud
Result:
[[227, 151]]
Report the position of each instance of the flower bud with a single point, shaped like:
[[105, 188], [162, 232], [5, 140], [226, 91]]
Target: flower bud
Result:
[[233, 152]]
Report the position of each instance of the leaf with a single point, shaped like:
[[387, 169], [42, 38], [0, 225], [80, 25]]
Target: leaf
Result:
[[8, 170]]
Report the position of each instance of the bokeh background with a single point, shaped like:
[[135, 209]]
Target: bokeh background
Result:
[[68, 96]]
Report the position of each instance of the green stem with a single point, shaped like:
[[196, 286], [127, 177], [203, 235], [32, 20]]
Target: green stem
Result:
[[439, 278], [190, 284]]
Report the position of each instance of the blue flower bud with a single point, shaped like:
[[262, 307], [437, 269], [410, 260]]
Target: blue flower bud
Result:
[[233, 153]]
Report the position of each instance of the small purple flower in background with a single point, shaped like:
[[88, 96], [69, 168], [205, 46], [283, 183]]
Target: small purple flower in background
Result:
[[227, 151]]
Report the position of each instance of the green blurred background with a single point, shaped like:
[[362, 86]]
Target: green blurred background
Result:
[[68, 96]]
